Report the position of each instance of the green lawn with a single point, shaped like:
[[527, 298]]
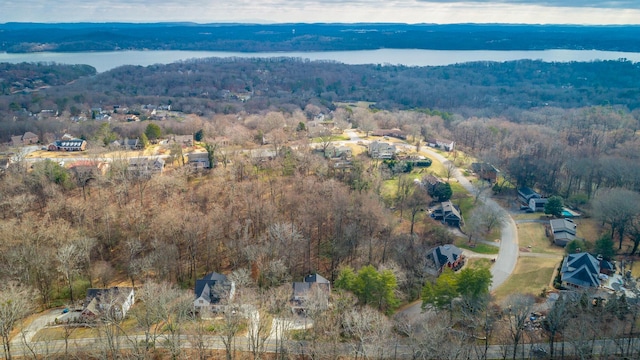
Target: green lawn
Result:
[[531, 275], [532, 238], [479, 248]]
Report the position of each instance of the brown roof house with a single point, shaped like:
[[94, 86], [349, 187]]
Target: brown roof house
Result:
[[444, 256], [112, 302], [27, 138], [485, 171]]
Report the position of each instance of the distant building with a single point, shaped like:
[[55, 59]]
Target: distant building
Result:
[[382, 150], [145, 166], [485, 171], [27, 138], [199, 160], [68, 145], [446, 145]]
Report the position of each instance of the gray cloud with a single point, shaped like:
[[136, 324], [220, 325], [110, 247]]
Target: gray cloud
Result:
[[603, 4]]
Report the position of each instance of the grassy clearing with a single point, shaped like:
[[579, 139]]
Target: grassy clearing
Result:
[[532, 237], [589, 229], [531, 275], [479, 248], [528, 216], [479, 263]]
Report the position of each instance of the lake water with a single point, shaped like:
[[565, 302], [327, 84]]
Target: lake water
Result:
[[104, 61]]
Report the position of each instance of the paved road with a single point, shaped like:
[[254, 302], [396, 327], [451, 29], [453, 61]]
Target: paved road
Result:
[[508, 254]]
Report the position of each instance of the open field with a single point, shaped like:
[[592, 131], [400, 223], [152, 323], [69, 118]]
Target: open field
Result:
[[532, 238], [532, 274]]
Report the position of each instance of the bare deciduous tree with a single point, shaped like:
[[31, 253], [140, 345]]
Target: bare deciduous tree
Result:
[[15, 304], [517, 310]]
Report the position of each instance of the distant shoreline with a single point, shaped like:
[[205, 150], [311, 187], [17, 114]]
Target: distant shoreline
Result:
[[21, 38], [105, 61]]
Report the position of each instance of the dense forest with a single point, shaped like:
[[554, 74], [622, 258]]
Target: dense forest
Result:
[[567, 130], [512, 90], [33, 37]]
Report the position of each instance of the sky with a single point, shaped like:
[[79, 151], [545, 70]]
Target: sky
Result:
[[591, 12]]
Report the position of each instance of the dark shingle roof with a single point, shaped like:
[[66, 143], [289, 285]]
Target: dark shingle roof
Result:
[[581, 269]]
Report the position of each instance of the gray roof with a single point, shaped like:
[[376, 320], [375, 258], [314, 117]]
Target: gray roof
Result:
[[301, 288], [206, 287], [443, 255], [563, 225], [581, 269]]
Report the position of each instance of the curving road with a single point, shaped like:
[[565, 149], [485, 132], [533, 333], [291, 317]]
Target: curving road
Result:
[[508, 254]]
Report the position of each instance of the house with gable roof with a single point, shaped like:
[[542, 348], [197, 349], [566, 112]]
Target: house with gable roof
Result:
[[448, 213], [563, 230], [444, 256], [211, 290], [580, 270], [382, 150], [27, 138], [312, 285], [115, 302]]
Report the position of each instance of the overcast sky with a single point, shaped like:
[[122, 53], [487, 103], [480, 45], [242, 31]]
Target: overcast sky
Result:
[[344, 11]]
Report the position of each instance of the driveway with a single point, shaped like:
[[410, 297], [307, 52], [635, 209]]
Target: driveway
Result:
[[43, 320]]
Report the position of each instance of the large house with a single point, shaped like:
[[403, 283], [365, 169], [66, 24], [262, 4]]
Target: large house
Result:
[[211, 290], [563, 231], [114, 302], [27, 138], [448, 213], [580, 270], [68, 145], [313, 285], [443, 256], [382, 150], [199, 160]]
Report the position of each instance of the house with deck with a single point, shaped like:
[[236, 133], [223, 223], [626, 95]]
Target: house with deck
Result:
[[444, 256], [580, 271]]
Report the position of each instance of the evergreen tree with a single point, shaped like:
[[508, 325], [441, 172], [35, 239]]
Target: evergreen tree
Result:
[[554, 206]]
